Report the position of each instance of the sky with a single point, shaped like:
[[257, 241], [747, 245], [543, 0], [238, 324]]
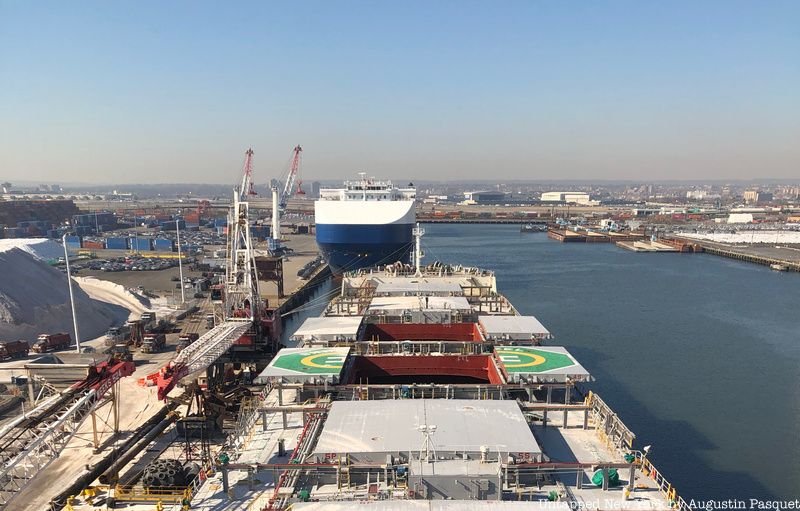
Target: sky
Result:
[[172, 92]]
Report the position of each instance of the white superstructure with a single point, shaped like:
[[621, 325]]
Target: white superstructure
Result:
[[368, 189]]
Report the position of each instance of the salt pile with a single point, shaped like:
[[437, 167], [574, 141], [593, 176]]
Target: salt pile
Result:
[[41, 248], [34, 298]]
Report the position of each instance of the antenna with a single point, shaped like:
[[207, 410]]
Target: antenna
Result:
[[427, 445]]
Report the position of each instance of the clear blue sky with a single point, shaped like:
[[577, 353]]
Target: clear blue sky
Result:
[[137, 91]]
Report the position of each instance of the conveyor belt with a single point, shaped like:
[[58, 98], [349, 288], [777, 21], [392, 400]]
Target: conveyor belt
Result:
[[200, 354], [30, 443]]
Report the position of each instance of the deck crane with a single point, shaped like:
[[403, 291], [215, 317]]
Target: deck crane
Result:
[[241, 302]]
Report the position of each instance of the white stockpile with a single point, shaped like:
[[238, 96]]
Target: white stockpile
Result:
[[34, 297], [41, 248]]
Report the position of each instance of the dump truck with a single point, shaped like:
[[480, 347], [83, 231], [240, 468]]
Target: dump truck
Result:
[[185, 340], [13, 349], [148, 318], [116, 334], [153, 343], [46, 343], [121, 352]]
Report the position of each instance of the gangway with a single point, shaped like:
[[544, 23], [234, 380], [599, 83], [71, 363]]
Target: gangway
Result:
[[34, 440], [200, 354]]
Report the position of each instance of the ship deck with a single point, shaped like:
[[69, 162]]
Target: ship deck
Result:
[[250, 490]]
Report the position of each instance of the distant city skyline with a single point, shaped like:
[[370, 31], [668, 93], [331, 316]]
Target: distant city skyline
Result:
[[150, 92]]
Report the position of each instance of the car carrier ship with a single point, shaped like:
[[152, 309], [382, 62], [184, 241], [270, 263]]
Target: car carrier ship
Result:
[[423, 387], [365, 223]]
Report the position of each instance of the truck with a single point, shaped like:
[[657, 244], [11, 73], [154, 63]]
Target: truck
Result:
[[185, 340], [148, 318], [46, 343], [120, 352], [117, 334], [153, 343], [13, 349], [209, 321]]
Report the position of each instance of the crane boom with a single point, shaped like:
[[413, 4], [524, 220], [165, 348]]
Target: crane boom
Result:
[[246, 188], [291, 178]]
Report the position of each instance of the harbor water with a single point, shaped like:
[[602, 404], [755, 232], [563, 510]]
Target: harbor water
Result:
[[699, 355]]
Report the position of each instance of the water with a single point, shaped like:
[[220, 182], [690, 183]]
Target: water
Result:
[[700, 355]]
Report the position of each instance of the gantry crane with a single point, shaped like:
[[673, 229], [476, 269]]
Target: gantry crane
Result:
[[240, 307]]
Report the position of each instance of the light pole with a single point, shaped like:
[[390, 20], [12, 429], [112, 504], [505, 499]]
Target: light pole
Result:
[[71, 296], [180, 261]]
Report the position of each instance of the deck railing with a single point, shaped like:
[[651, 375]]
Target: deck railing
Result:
[[609, 426], [666, 488]]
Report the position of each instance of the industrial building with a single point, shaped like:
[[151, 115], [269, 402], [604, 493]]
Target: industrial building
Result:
[[757, 197], [484, 197], [568, 197]]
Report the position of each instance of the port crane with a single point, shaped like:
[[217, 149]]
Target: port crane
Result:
[[246, 188], [240, 306], [32, 441], [292, 185]]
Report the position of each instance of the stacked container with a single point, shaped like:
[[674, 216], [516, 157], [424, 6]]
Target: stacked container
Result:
[[163, 245], [117, 243], [141, 244], [73, 242]]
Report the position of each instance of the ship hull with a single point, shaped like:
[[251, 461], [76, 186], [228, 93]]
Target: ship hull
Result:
[[354, 246], [358, 234]]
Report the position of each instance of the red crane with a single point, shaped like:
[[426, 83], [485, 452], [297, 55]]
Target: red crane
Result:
[[289, 187], [247, 175]]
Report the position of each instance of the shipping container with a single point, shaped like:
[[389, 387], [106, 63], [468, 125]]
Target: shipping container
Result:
[[141, 244], [117, 243], [73, 242], [163, 245], [192, 218], [169, 225]]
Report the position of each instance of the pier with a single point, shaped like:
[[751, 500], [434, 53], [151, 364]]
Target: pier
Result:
[[492, 220], [766, 255], [587, 236]]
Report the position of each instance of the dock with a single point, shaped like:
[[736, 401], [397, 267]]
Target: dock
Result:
[[646, 246], [304, 250], [782, 256], [591, 236]]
